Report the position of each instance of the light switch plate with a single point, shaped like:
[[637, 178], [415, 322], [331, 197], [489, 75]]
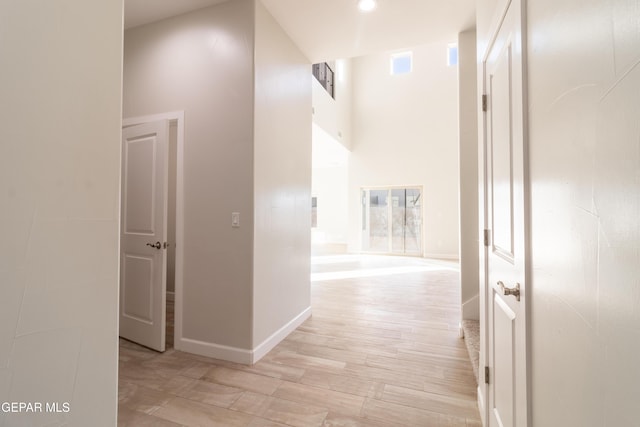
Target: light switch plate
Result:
[[235, 219]]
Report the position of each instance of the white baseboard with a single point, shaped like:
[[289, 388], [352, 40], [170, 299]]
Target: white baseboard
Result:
[[171, 296], [481, 407], [267, 345], [215, 351], [451, 257], [241, 355]]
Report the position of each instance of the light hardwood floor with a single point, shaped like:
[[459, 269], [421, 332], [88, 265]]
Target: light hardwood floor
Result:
[[381, 349]]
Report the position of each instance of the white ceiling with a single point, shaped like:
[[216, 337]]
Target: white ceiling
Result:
[[140, 12], [330, 29]]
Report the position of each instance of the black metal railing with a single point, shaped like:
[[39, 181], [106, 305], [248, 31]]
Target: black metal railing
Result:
[[324, 74]]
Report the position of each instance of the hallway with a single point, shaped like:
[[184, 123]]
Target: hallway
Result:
[[381, 349]]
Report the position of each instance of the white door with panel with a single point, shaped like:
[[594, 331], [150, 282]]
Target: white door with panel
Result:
[[506, 219], [143, 254]]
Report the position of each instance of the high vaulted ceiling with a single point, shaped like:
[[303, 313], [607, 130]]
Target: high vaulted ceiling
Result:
[[330, 29], [140, 12]]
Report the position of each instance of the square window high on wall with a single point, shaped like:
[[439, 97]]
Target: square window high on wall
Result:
[[401, 63], [452, 54]]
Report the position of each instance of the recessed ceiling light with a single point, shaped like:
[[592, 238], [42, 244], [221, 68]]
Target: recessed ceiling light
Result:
[[367, 5]]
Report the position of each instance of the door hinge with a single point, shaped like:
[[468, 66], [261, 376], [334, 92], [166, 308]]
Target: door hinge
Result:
[[486, 375], [486, 238], [484, 103]]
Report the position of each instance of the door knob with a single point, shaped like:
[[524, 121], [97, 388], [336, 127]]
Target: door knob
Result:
[[156, 245], [510, 291]]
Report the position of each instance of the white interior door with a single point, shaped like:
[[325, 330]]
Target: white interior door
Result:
[[506, 259], [143, 254]]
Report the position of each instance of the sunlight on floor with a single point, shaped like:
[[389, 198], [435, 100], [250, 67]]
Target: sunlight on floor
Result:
[[375, 265]]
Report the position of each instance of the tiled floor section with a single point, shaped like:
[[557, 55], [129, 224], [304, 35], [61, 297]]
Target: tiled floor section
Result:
[[381, 349]]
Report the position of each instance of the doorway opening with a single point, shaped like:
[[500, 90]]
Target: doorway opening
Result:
[[165, 310], [392, 220]]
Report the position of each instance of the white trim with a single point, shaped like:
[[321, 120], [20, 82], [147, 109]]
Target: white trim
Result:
[[452, 257], [241, 355], [481, 405], [177, 116], [267, 345], [173, 115], [216, 351]]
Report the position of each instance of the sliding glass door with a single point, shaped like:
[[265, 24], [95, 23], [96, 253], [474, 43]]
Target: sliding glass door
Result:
[[392, 220]]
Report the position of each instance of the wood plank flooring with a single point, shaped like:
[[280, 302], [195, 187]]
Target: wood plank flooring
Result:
[[380, 350]]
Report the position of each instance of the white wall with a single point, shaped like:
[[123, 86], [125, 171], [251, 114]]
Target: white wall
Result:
[[330, 186], [584, 104], [245, 152], [343, 82], [332, 138], [282, 183], [202, 63], [584, 98], [468, 140], [405, 132], [334, 115], [60, 119], [324, 111], [330, 180]]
